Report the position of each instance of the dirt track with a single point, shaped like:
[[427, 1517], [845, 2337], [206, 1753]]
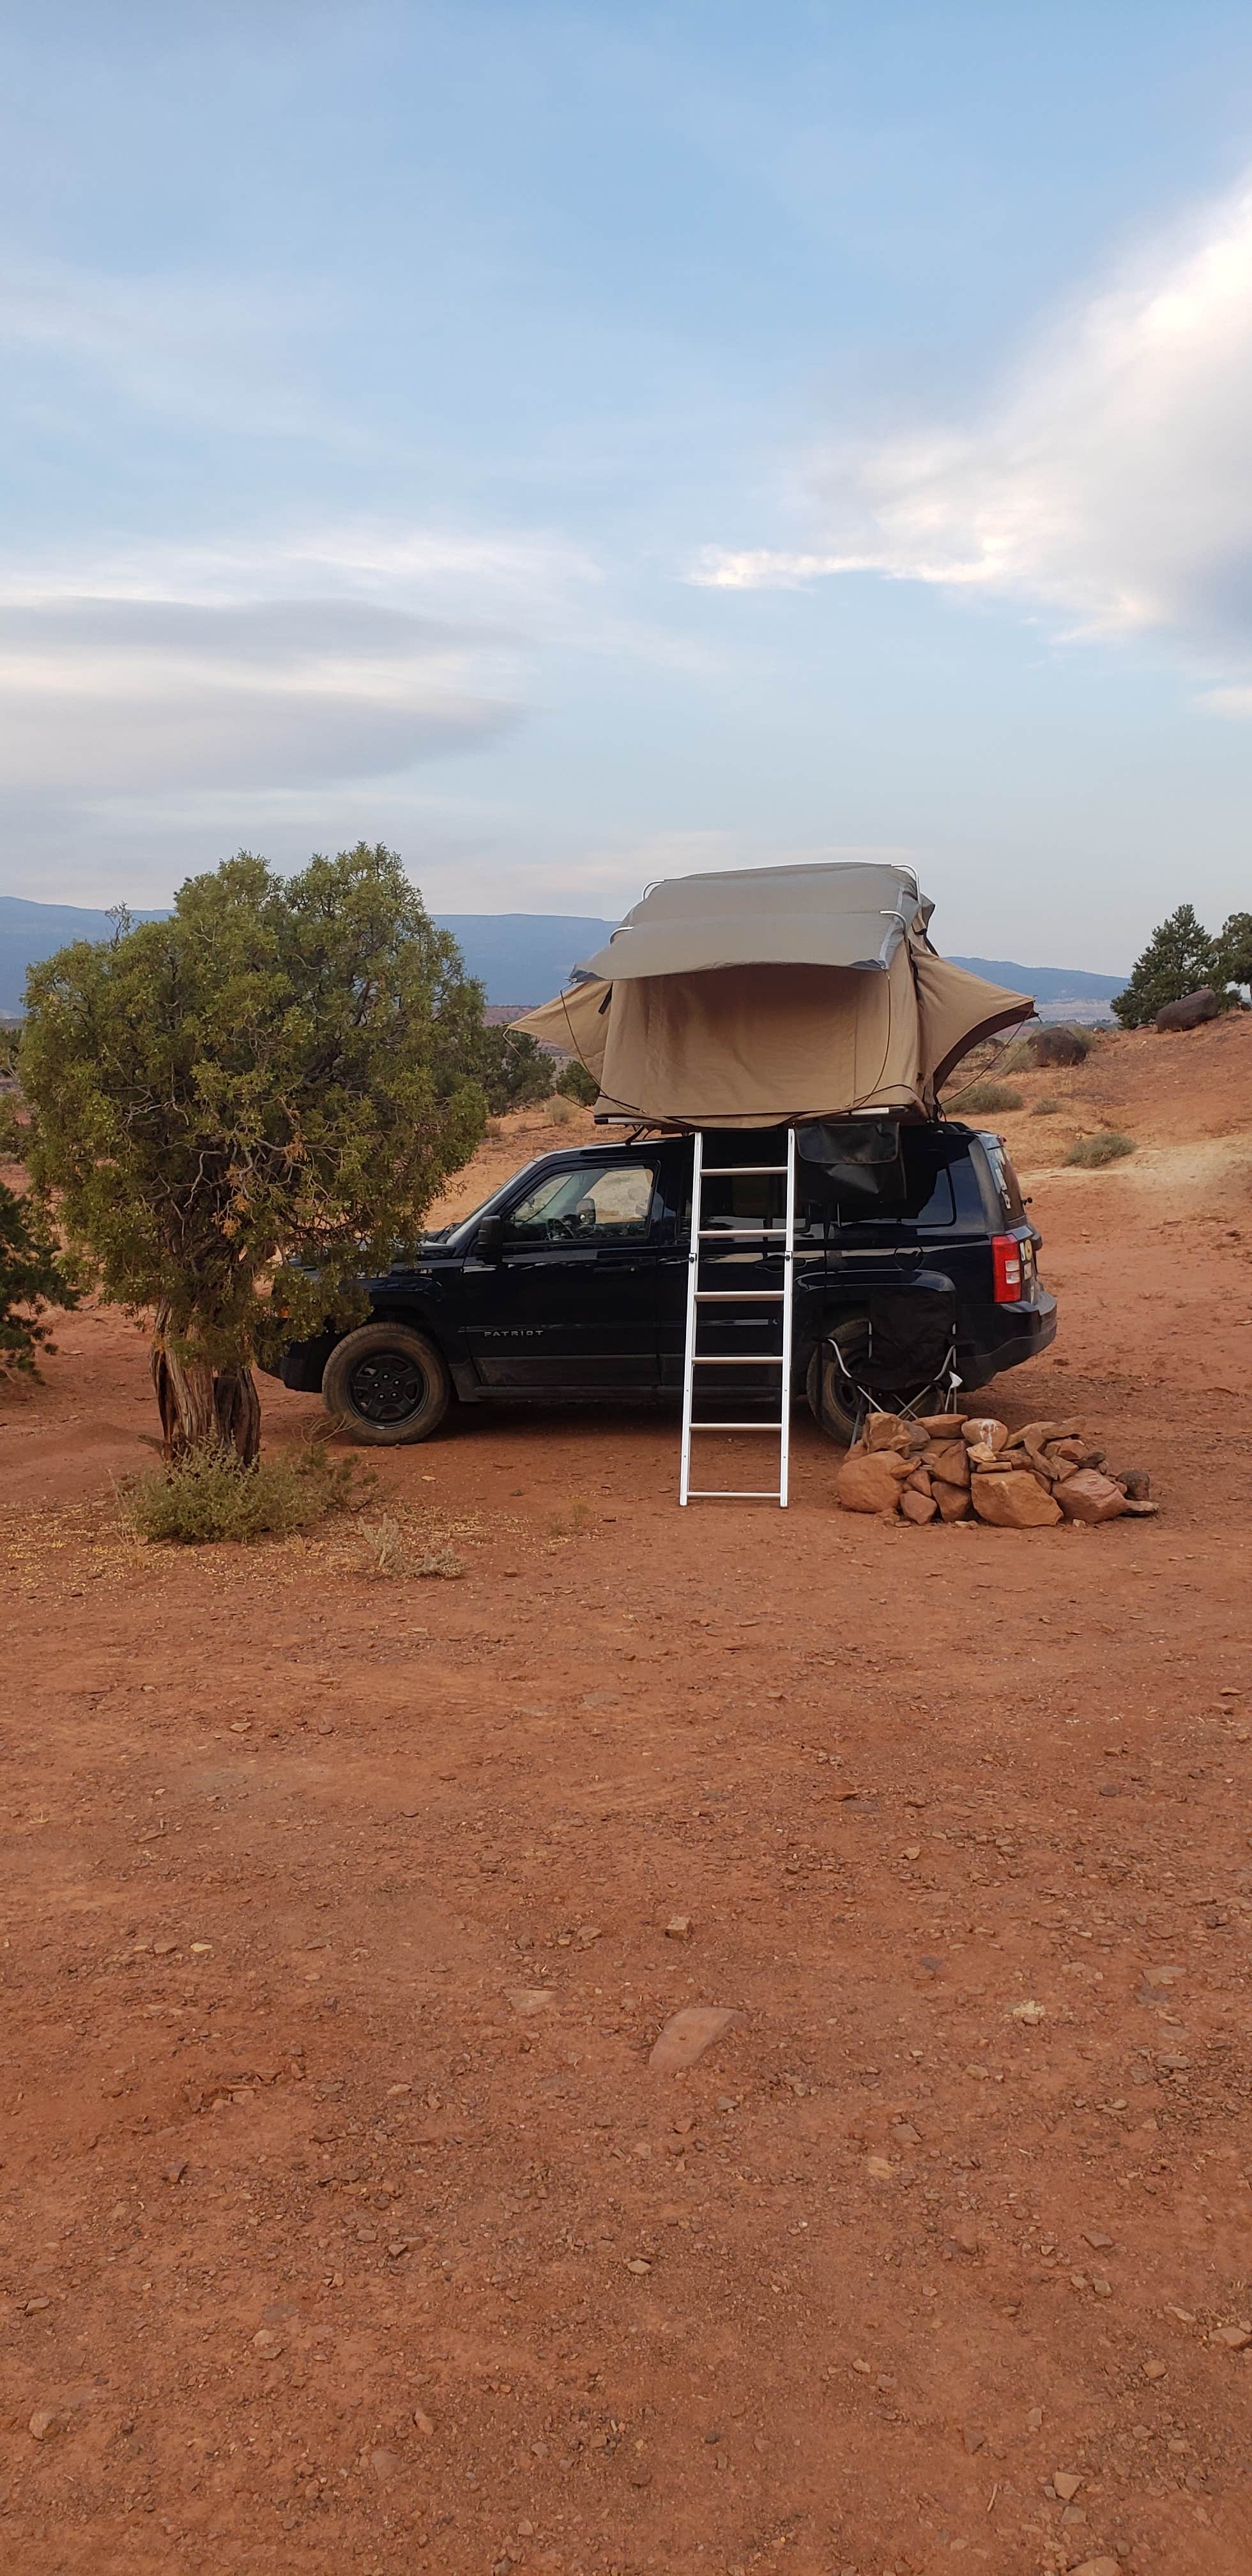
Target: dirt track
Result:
[[331, 2246]]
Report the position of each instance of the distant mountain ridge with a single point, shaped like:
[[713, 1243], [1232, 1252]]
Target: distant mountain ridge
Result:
[[521, 957], [1047, 983]]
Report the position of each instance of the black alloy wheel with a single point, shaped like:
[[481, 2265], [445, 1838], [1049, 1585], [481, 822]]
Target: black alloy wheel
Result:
[[386, 1384]]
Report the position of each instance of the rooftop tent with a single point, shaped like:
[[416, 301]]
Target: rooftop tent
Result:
[[773, 994]]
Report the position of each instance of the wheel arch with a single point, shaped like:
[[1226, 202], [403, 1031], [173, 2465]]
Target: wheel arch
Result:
[[407, 1310]]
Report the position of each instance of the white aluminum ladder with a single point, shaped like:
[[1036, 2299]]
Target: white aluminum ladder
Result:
[[774, 1237]]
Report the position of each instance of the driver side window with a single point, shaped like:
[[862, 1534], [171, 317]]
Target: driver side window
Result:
[[611, 1203]]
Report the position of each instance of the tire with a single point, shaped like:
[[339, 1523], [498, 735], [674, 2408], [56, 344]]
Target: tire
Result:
[[834, 1407], [387, 1385]]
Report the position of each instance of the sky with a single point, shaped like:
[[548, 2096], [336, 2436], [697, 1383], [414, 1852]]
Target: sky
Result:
[[582, 444]]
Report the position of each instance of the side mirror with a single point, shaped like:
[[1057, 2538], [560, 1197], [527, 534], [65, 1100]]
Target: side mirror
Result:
[[489, 1240]]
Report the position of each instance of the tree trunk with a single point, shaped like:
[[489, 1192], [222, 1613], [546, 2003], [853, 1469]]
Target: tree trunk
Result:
[[202, 1407]]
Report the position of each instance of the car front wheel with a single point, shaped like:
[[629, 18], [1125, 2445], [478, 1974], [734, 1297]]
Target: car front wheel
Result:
[[386, 1384]]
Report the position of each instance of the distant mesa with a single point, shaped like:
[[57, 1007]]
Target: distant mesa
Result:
[[521, 957]]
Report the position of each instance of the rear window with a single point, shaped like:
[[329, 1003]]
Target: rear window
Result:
[[917, 1191]]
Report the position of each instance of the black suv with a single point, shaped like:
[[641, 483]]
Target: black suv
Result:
[[569, 1285]]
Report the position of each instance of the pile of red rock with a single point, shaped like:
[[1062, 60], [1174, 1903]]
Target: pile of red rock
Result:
[[949, 1466]]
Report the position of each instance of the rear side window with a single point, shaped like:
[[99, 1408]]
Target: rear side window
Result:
[[754, 1199], [915, 1192], [1007, 1185]]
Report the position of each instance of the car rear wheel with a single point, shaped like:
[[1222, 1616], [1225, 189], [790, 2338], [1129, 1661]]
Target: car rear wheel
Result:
[[831, 1400], [386, 1384]]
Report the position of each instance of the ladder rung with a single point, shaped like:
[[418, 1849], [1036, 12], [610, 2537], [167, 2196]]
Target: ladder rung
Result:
[[739, 1296], [733, 1494], [740, 1233], [731, 1171], [736, 1359], [775, 1427]]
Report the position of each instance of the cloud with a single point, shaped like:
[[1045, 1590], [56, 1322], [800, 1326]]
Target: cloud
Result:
[[1234, 703], [222, 351], [105, 696], [162, 674], [1110, 482], [430, 571]]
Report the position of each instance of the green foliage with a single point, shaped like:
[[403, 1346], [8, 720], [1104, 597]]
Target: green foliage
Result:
[[1089, 1152], [981, 1096], [513, 1070], [1234, 949], [575, 1083], [32, 1278], [261, 1093], [209, 1496], [1178, 959]]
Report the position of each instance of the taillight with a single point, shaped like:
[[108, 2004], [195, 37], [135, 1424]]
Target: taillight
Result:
[[1006, 1258]]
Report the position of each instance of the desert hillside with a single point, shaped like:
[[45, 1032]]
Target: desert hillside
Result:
[[349, 2225]]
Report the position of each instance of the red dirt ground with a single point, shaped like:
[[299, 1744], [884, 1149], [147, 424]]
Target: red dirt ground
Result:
[[329, 2246]]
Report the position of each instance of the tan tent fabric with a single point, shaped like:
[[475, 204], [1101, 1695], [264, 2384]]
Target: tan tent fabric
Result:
[[574, 1022], [754, 1044], [957, 1009], [749, 1045]]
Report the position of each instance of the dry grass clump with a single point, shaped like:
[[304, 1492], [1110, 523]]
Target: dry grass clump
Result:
[[559, 1111], [1045, 1108], [1090, 1152], [573, 1523], [384, 1549], [443, 1563], [387, 1552], [209, 1496], [983, 1096]]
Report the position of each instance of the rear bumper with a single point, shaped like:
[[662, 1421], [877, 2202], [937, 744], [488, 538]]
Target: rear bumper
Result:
[[1003, 1336]]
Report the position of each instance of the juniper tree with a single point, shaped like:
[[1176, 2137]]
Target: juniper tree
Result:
[[243, 1108], [513, 1070], [32, 1279], [1178, 959], [576, 1083], [1234, 949]]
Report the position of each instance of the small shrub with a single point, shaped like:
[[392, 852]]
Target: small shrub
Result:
[[981, 1096], [561, 1112], [575, 1083], [442, 1563], [1044, 1108], [209, 1496], [573, 1523], [1089, 1152], [384, 1551]]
